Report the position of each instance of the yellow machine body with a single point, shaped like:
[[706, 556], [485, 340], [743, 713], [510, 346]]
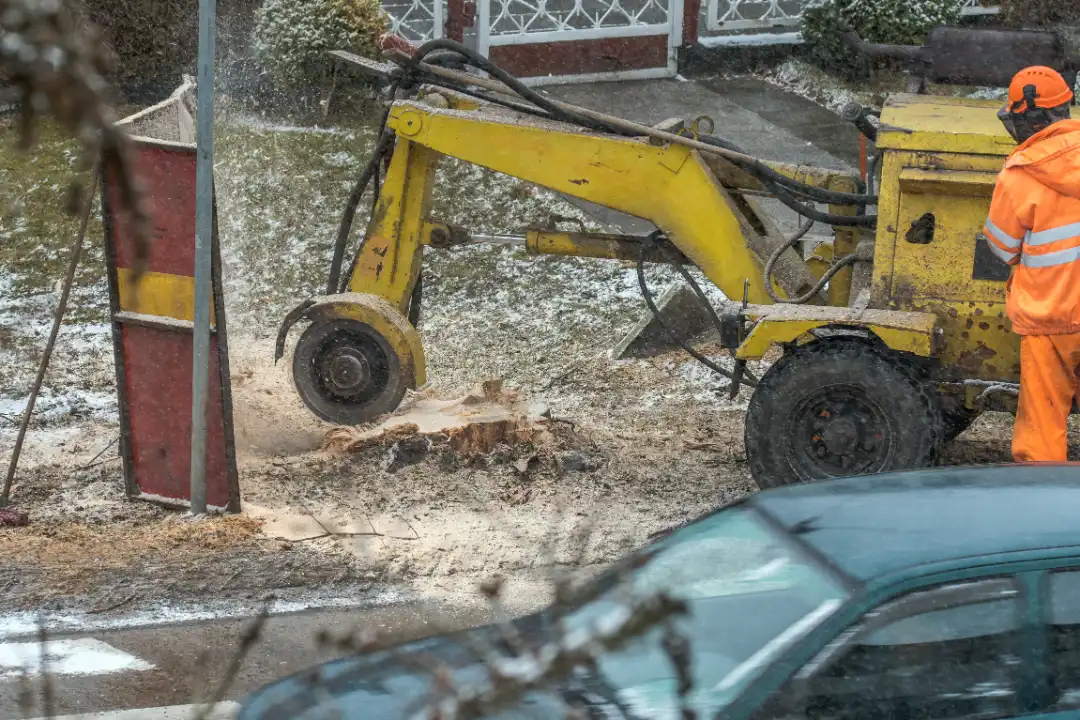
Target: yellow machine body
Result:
[[703, 207], [923, 286], [942, 157]]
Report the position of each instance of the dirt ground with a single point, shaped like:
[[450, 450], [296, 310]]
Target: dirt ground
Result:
[[606, 479], [434, 523]]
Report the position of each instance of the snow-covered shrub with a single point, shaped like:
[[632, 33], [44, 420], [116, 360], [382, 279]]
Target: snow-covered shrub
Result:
[[893, 22], [1040, 13], [292, 37]]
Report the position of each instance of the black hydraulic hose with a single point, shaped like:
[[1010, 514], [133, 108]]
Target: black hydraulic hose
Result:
[[763, 172], [664, 326], [825, 278], [488, 97], [785, 189], [521, 89], [416, 300], [867, 221], [840, 265], [649, 242], [385, 142], [771, 262], [376, 188]]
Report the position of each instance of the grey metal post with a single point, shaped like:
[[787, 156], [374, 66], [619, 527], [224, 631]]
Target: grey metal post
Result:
[[204, 228]]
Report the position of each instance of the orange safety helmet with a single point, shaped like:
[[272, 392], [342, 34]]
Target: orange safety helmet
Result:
[[1051, 90], [1038, 97]]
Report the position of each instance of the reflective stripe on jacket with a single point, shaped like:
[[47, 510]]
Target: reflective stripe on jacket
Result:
[[1034, 225]]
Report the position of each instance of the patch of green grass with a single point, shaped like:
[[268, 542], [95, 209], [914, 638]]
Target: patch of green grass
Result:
[[281, 190], [35, 230]]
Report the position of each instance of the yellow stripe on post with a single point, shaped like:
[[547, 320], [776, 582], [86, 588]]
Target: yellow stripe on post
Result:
[[161, 294]]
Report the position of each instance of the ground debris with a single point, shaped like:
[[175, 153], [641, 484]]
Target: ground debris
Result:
[[574, 461], [472, 426], [13, 518]]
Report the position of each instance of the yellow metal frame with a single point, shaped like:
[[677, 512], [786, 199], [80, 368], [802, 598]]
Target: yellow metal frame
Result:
[[389, 262], [942, 157], [670, 186], [160, 294], [923, 299], [782, 324]]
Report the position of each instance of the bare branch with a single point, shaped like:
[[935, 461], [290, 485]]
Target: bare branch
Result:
[[677, 648], [509, 678], [251, 635]]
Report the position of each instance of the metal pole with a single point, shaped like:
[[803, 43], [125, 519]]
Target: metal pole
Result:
[[204, 228]]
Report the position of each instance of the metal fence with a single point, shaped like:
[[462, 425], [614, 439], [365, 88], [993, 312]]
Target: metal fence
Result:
[[513, 22], [749, 15], [510, 22], [416, 20]]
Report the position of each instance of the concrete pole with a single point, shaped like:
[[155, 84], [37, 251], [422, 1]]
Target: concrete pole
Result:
[[204, 228]]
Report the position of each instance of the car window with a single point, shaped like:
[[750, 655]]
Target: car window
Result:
[[750, 592], [949, 652], [1064, 639]]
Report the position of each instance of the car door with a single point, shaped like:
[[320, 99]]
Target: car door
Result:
[[945, 652], [1061, 615]]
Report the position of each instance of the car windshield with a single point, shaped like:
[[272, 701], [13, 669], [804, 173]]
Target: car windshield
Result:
[[751, 593]]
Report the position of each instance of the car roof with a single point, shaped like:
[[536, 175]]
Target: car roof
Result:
[[876, 525]]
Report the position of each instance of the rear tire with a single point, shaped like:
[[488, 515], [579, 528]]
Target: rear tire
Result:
[[837, 407]]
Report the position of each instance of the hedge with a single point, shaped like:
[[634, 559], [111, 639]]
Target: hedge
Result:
[[893, 22], [1039, 13]]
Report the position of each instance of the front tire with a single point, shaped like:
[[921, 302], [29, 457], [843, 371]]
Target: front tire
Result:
[[346, 372], [838, 407]]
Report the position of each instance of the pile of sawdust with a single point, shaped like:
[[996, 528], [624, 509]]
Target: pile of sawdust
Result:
[[75, 545]]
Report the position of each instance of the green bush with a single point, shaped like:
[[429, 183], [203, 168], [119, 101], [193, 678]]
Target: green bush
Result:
[[1039, 13], [893, 22], [291, 37], [153, 42]]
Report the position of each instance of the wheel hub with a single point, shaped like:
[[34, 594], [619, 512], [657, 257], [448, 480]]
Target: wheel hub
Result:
[[840, 436], [837, 431], [346, 370]]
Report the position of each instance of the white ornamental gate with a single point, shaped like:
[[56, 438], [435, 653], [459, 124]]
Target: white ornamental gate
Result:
[[552, 41], [416, 20]]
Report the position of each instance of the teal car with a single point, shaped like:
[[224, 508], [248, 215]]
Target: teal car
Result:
[[925, 595]]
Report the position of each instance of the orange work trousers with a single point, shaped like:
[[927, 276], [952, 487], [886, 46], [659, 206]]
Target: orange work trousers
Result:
[[1049, 380]]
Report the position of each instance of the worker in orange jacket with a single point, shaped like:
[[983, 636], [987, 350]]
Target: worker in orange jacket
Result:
[[1034, 225]]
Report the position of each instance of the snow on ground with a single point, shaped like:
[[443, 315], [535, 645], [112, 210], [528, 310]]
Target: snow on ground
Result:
[[806, 79], [25, 624]]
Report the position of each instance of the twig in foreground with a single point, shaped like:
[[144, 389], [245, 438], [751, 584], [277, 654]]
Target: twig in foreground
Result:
[[250, 636], [510, 678]]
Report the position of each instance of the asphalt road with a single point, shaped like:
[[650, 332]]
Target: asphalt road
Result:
[[169, 666]]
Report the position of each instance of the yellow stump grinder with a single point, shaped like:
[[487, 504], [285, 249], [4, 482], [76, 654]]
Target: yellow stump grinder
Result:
[[893, 334]]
